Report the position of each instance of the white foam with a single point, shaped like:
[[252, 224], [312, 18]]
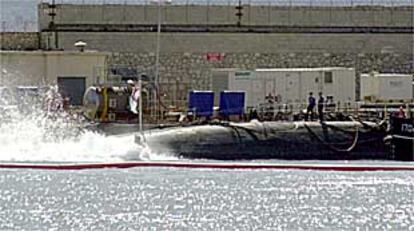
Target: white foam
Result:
[[36, 136]]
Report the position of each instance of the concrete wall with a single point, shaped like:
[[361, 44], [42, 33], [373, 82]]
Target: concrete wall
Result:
[[43, 67], [19, 40], [242, 43], [253, 15]]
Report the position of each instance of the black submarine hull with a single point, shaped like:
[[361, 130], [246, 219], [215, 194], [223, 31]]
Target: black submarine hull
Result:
[[270, 140]]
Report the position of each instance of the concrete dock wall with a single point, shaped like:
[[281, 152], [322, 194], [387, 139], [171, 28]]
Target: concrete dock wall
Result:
[[400, 16], [242, 43], [19, 41]]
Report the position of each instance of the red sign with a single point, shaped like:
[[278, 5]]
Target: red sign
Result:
[[214, 56]]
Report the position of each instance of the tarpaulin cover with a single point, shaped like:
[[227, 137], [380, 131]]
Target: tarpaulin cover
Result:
[[201, 103], [231, 103]]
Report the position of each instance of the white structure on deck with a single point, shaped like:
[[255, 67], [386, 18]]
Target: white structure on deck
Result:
[[386, 87], [287, 85]]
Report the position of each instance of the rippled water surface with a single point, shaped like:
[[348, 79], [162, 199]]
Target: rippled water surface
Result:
[[177, 199]]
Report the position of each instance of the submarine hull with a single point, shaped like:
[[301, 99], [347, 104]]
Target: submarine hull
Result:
[[271, 140]]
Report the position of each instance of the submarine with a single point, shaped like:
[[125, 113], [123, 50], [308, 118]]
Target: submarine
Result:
[[297, 140]]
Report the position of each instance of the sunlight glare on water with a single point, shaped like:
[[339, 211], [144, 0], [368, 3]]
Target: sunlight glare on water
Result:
[[188, 199]]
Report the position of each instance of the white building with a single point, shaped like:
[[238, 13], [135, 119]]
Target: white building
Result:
[[386, 87], [289, 85], [72, 71]]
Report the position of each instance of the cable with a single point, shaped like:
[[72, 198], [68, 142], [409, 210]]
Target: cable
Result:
[[403, 137], [354, 143]]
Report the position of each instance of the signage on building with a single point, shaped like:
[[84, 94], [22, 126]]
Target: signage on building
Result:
[[243, 75], [396, 83], [214, 56]]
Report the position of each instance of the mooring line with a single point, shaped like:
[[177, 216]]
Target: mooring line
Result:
[[228, 166]]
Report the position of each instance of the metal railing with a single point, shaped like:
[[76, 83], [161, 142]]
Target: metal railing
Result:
[[365, 110]]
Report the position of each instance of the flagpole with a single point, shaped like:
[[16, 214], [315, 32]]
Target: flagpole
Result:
[[140, 103], [157, 61]]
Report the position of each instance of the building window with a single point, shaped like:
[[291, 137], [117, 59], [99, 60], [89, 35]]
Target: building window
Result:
[[328, 77]]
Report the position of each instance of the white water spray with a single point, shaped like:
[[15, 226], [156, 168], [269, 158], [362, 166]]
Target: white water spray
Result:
[[42, 132]]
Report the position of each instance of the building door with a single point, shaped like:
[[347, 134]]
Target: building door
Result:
[[72, 88]]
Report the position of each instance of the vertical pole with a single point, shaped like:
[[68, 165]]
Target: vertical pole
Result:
[[53, 23], [391, 22], [82, 16], [351, 14], [208, 12], [239, 13], [249, 13], [290, 14], [157, 61], [103, 12], [56, 38], [140, 103], [372, 13], [228, 11], [186, 11], [268, 13], [330, 12], [145, 11], [124, 11], [310, 19]]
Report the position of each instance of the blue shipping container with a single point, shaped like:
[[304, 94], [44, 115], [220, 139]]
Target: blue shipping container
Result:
[[231, 103], [201, 103]]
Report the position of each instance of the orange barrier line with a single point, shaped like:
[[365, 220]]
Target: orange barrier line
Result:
[[319, 167]]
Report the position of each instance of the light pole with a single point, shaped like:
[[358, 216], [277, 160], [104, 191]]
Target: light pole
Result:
[[52, 23], [140, 103], [157, 55], [157, 60]]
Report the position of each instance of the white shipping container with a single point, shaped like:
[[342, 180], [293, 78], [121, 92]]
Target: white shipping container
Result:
[[290, 85], [386, 87]]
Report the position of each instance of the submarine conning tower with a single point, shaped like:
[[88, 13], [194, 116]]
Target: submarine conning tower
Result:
[[402, 138]]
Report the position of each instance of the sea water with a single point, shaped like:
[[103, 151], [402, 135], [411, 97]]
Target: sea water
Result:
[[178, 199], [184, 199]]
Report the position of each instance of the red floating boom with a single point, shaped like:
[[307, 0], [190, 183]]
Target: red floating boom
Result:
[[219, 165]]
